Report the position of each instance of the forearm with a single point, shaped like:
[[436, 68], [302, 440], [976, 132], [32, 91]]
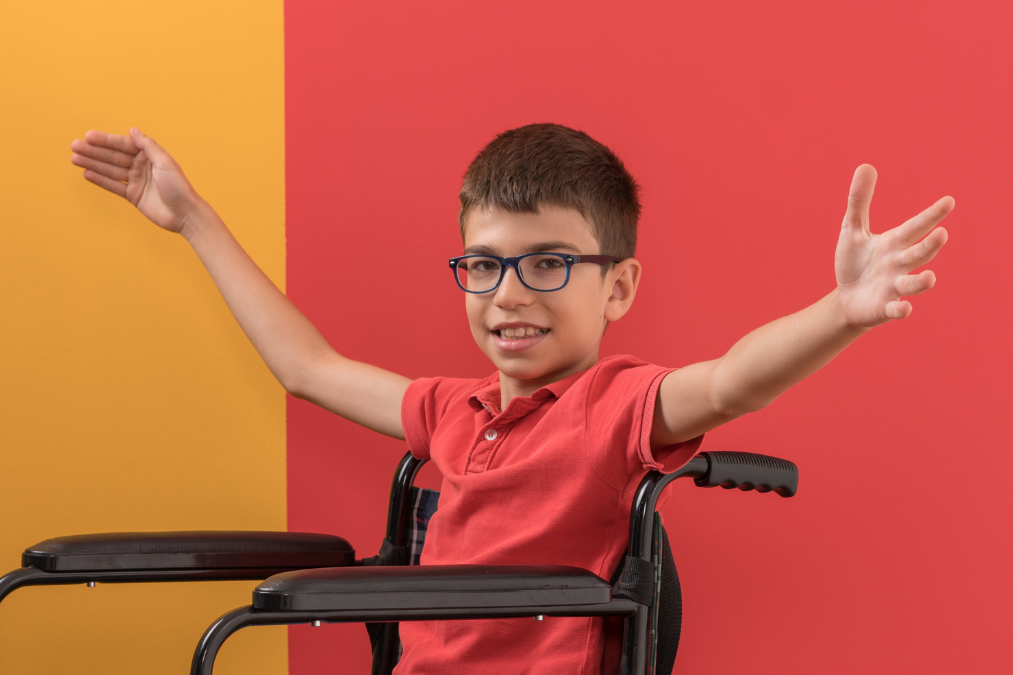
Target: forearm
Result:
[[773, 358], [873, 275], [292, 348], [285, 339]]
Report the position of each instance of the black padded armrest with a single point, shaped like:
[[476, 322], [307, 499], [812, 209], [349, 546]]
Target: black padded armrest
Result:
[[431, 587], [187, 551]]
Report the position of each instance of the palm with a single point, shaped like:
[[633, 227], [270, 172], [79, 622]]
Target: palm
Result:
[[873, 269], [145, 176]]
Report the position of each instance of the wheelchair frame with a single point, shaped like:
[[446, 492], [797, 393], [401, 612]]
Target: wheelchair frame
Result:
[[745, 471]]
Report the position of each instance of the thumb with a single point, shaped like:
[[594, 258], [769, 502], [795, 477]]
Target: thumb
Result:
[[154, 151], [859, 198]]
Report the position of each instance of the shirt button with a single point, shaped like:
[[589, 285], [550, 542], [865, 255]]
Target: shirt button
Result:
[[490, 435]]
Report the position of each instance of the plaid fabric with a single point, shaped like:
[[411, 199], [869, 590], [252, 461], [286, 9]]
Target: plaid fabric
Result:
[[424, 504]]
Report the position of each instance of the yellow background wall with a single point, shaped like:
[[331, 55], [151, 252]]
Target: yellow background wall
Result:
[[130, 399]]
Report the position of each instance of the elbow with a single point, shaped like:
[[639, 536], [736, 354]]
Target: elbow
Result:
[[307, 379], [294, 385], [296, 393], [292, 389]]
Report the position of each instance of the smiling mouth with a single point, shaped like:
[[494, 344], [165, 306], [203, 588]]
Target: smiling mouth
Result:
[[520, 333]]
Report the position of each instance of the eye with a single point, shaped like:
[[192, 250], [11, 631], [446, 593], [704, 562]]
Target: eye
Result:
[[550, 263], [484, 266]]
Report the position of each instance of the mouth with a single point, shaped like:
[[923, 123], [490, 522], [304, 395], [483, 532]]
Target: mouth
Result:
[[516, 339], [521, 333]]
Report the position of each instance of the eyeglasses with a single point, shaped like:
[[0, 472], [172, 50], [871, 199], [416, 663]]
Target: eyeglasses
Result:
[[542, 272]]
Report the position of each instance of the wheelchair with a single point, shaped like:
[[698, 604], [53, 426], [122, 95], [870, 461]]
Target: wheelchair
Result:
[[314, 578]]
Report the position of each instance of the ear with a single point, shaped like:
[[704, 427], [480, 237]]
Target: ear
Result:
[[621, 282]]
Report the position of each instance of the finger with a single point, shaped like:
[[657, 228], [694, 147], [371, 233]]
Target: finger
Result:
[[116, 157], [898, 309], [913, 284], [113, 186], [859, 198], [114, 141], [925, 250], [148, 144], [915, 228], [117, 173]]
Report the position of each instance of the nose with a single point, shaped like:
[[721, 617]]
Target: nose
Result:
[[511, 291]]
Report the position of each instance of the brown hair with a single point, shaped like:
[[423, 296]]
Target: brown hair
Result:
[[550, 164]]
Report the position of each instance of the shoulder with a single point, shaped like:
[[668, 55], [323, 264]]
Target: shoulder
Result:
[[427, 402], [436, 393], [620, 398], [621, 376]]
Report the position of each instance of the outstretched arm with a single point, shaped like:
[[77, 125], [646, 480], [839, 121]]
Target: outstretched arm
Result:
[[139, 170], [873, 276]]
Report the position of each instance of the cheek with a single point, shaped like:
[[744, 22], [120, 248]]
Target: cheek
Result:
[[475, 314], [581, 314]]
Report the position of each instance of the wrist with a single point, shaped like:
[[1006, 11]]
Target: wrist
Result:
[[840, 318], [197, 220]]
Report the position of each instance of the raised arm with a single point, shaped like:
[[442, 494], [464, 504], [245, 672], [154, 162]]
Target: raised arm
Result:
[[872, 278], [139, 170]]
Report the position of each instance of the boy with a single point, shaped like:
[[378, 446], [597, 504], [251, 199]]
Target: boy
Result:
[[548, 219]]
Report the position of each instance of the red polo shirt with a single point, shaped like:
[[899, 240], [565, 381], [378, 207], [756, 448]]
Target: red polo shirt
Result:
[[549, 480]]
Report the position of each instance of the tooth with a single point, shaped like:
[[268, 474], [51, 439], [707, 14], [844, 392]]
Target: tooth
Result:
[[508, 332], [530, 330]]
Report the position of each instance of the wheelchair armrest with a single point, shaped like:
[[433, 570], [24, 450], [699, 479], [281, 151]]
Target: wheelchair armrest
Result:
[[429, 592], [209, 550], [132, 557], [432, 588]]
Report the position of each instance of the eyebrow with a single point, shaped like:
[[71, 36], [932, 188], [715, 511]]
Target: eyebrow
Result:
[[540, 247]]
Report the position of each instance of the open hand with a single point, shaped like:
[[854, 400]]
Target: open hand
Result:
[[873, 269], [136, 168]]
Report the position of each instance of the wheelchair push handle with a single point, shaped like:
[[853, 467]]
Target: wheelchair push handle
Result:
[[749, 471]]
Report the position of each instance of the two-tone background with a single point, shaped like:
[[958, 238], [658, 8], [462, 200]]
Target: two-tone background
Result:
[[332, 136]]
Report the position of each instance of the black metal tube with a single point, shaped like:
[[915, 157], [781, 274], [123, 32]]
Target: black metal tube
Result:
[[385, 653], [645, 501], [399, 509], [32, 576], [398, 515], [213, 638], [26, 576]]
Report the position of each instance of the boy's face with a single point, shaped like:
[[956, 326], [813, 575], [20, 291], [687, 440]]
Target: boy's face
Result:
[[574, 316]]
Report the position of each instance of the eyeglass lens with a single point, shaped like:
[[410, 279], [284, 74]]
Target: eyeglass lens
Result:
[[542, 272]]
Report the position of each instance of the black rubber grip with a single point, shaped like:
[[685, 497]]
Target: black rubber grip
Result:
[[748, 471]]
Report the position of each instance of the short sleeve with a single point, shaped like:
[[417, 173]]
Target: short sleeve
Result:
[[420, 413], [670, 457], [620, 417]]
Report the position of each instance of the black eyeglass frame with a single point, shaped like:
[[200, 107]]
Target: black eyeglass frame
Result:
[[514, 262]]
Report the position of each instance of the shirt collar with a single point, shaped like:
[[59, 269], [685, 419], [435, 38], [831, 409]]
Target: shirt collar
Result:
[[488, 394]]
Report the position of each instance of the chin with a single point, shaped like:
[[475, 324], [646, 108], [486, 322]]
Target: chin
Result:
[[519, 367], [522, 373]]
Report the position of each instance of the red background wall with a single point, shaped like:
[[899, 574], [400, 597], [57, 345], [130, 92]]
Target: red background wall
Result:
[[744, 123]]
